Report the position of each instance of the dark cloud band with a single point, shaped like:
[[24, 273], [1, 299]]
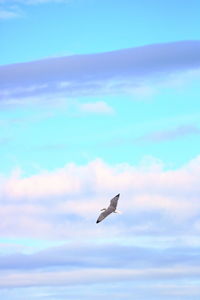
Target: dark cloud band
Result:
[[96, 73]]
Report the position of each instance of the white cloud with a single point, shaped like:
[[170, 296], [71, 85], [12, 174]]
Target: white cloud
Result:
[[10, 13], [48, 203], [32, 2], [99, 107], [60, 182], [10, 9]]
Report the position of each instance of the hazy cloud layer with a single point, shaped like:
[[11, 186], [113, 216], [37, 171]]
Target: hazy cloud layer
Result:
[[103, 255], [100, 73], [76, 264], [92, 276]]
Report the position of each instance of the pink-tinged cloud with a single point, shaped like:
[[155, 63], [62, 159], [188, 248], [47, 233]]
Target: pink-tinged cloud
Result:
[[92, 276], [48, 203], [60, 182]]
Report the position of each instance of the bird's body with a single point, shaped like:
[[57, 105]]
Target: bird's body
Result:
[[111, 208]]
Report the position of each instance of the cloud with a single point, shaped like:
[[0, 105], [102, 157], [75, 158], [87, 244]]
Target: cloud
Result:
[[35, 2], [101, 73], [153, 200], [92, 276], [171, 134], [113, 255], [89, 263], [9, 13], [99, 107], [32, 2], [160, 213], [157, 289], [11, 9]]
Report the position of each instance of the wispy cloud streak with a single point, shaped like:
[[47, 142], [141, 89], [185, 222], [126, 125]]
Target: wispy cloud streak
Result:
[[99, 107], [171, 134], [9, 13]]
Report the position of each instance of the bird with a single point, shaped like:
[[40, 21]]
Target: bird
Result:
[[111, 208]]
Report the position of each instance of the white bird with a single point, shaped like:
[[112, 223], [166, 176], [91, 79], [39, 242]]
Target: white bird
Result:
[[111, 208]]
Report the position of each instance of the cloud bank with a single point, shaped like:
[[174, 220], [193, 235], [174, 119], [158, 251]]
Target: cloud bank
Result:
[[154, 201], [101, 73], [158, 206]]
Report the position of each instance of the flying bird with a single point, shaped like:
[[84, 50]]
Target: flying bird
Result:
[[111, 208]]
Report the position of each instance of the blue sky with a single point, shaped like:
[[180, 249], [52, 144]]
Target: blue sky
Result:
[[99, 98]]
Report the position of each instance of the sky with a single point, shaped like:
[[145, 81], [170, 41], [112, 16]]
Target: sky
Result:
[[99, 98]]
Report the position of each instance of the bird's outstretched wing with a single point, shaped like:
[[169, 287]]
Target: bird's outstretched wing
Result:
[[111, 208], [104, 214], [114, 201]]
